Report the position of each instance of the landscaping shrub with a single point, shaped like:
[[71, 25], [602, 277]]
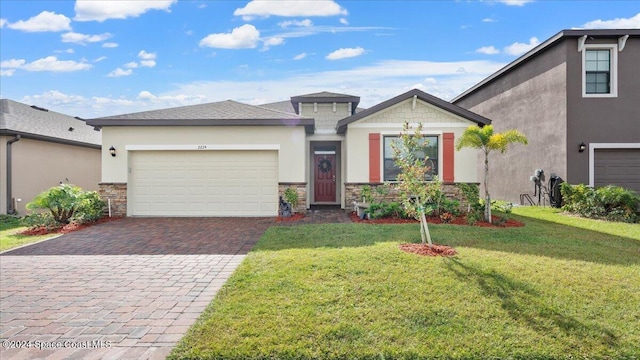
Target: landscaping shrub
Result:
[[386, 210], [612, 203], [65, 203]]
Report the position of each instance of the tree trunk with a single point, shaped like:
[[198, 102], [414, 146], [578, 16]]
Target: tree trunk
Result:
[[487, 197]]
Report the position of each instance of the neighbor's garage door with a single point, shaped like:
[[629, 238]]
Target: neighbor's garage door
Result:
[[618, 167], [204, 183]]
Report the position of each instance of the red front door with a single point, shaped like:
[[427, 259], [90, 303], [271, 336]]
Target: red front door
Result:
[[325, 178]]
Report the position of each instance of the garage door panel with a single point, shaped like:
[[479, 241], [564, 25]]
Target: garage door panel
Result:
[[617, 167], [204, 183]]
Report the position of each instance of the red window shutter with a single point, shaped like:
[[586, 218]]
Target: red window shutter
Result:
[[448, 157], [374, 158]]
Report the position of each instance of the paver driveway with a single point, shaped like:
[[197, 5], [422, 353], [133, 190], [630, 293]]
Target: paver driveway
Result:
[[129, 288]]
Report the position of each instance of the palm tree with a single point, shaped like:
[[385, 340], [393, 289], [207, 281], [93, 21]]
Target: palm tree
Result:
[[486, 140]]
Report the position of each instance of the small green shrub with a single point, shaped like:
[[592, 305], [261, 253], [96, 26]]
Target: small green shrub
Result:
[[474, 216], [40, 219], [65, 203], [386, 210], [291, 196], [366, 194], [612, 203]]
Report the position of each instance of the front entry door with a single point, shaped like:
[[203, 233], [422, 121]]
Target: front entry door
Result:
[[325, 178]]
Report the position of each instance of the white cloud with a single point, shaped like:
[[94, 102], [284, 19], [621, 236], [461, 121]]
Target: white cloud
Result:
[[272, 41], [617, 23], [50, 63], [82, 39], [3, 22], [13, 63], [243, 37], [488, 50], [147, 59], [489, 20], [299, 23], [266, 8], [7, 72], [515, 2], [300, 56], [119, 72], [95, 10], [43, 22], [344, 21], [131, 65], [110, 45], [517, 48], [345, 53], [101, 58]]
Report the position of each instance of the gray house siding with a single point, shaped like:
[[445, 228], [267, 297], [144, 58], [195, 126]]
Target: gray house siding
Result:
[[601, 120], [532, 99]]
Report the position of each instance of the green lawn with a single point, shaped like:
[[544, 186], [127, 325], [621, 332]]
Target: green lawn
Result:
[[558, 288], [10, 237]]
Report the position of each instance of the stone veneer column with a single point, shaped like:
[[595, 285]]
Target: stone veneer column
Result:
[[353, 192], [301, 189], [117, 193]]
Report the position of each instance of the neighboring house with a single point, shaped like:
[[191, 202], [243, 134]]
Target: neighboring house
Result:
[[41, 148], [233, 159], [577, 98]]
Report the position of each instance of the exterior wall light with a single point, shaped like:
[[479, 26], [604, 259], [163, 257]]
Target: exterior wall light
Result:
[[112, 151], [581, 147]]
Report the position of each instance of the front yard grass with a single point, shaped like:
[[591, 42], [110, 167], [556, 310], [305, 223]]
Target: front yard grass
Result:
[[10, 238], [550, 290]]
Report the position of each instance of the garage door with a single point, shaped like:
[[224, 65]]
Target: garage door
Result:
[[617, 167], [204, 183]]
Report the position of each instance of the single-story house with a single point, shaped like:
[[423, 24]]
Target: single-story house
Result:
[[40, 149], [233, 159], [576, 97]]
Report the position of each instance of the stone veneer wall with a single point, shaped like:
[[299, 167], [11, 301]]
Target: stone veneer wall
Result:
[[117, 192], [301, 189], [353, 193]]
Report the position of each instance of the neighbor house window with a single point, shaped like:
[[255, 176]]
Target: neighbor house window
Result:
[[391, 171], [599, 71]]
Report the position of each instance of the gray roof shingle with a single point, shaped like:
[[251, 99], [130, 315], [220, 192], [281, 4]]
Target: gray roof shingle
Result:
[[35, 122]]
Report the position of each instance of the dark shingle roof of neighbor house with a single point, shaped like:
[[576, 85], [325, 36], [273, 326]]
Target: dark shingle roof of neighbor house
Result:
[[284, 106], [603, 33], [222, 113], [324, 97], [37, 123], [471, 116]]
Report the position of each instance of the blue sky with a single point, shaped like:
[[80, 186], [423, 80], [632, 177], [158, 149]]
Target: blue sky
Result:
[[98, 58]]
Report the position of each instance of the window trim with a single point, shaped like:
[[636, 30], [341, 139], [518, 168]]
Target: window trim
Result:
[[613, 73], [384, 134]]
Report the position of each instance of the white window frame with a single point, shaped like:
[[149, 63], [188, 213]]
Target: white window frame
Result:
[[438, 134], [613, 75]]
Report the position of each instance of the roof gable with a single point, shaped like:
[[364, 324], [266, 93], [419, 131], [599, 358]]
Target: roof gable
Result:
[[324, 97], [418, 94], [38, 123]]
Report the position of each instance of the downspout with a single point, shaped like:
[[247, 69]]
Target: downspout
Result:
[[10, 209]]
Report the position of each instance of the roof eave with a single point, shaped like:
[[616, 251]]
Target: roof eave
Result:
[[308, 123], [26, 135]]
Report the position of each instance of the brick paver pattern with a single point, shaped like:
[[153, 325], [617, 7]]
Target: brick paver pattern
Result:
[[126, 289]]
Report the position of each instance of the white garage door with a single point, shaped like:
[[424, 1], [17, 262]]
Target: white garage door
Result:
[[204, 183], [617, 167]]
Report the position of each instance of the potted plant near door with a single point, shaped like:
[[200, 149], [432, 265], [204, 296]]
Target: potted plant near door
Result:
[[291, 196]]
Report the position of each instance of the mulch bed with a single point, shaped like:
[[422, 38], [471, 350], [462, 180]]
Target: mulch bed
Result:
[[425, 250], [293, 218], [459, 220], [74, 226]]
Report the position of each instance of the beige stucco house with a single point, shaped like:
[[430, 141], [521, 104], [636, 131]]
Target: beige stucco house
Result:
[[232, 159], [41, 148]]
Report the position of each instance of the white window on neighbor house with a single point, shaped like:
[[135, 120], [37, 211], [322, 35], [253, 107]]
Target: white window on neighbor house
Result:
[[600, 70], [390, 169]]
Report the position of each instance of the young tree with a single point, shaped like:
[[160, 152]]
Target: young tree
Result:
[[486, 140], [409, 154]]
